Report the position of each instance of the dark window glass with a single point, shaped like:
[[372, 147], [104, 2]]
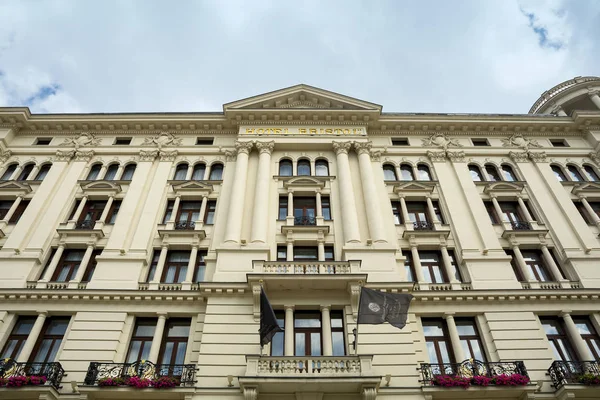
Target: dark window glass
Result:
[[281, 253], [303, 167], [153, 265], [198, 173], [326, 208], [396, 212], [283, 207], [492, 173], [423, 171], [431, 264], [558, 173], [278, 342], [457, 274], [513, 264], [8, 172], [512, 211], [590, 173], [409, 267], [20, 210], [322, 168], [329, 254], [437, 341], [559, 341], [92, 211], [491, 212], [43, 172], [406, 173], [122, 141], [508, 173], [337, 333], [285, 168], [174, 346], [68, 265], [94, 172], [589, 336], [180, 172], [168, 211], [205, 141], [216, 172], [469, 339], [583, 212], [400, 142], [25, 172], [307, 333], [475, 173], [417, 212], [200, 271], [176, 266], [188, 212], [574, 173], [43, 141], [112, 213], [111, 172], [305, 210], [389, 173], [211, 208], [438, 212], [536, 265], [128, 172], [50, 339], [91, 267], [17, 338], [480, 142], [302, 253], [5, 205], [141, 341], [558, 143]]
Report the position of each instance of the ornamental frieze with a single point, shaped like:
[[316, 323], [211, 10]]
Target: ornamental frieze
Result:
[[148, 155], [84, 139], [440, 140], [162, 139], [517, 140]]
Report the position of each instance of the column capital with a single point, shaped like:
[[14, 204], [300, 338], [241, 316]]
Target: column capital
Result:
[[582, 196], [65, 155], [42, 313], [436, 156], [593, 92], [363, 148], [243, 147], [265, 147], [449, 315], [91, 244], [325, 307], [165, 246], [537, 157], [341, 147], [519, 156], [289, 307], [565, 313], [162, 315], [167, 155], [148, 155]]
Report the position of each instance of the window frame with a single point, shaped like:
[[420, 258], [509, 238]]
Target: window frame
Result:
[[176, 340], [142, 339], [320, 164], [589, 338], [55, 338], [122, 141], [210, 213], [470, 338], [43, 172], [19, 211], [303, 163], [326, 208], [180, 267], [445, 338], [71, 265], [216, 169], [560, 337], [284, 165], [19, 338], [308, 331]]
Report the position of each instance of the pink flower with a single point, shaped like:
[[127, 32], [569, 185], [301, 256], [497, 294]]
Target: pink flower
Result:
[[138, 382], [481, 380], [165, 382]]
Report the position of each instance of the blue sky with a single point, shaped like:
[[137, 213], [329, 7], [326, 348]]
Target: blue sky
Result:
[[463, 56]]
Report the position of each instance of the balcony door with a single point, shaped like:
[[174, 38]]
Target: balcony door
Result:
[[307, 333], [536, 266], [437, 341], [50, 340], [512, 212], [175, 342], [188, 214], [305, 210], [559, 341], [417, 214], [92, 211]]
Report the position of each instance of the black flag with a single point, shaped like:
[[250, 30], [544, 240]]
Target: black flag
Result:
[[378, 307], [268, 322]]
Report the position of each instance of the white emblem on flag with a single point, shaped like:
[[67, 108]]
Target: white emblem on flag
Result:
[[374, 307]]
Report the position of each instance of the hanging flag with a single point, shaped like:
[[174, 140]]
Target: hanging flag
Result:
[[376, 307], [268, 322]]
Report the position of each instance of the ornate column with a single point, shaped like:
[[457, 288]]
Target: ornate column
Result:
[[551, 264], [459, 355], [289, 331], [595, 97], [158, 336], [290, 210], [521, 265], [447, 262], [79, 209], [52, 266], [233, 230], [374, 215], [524, 209], [349, 217], [175, 209], [162, 258], [319, 208], [33, 173], [104, 214], [417, 264], [261, 192], [200, 222], [590, 210], [84, 263], [32, 337], [119, 173], [583, 352], [289, 253], [13, 208], [189, 275], [404, 211], [327, 340], [321, 250], [559, 111], [102, 172]]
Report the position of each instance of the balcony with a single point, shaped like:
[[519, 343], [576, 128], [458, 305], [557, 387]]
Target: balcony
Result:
[[564, 373], [39, 374], [287, 374], [551, 285], [185, 225], [117, 374], [306, 268], [520, 226], [305, 221], [87, 225], [423, 226]]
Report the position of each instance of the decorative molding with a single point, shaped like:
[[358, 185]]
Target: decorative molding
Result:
[[167, 155], [354, 299], [375, 155], [230, 156], [148, 155], [595, 157], [243, 147], [84, 155], [517, 140], [256, 288], [265, 147], [519, 157], [363, 147], [250, 393], [369, 393], [456, 156], [4, 155], [438, 139], [437, 156], [162, 139], [538, 157], [302, 104], [341, 147], [65, 155], [84, 139]]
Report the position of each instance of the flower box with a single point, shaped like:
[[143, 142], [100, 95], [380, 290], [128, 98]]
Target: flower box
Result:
[[465, 382]]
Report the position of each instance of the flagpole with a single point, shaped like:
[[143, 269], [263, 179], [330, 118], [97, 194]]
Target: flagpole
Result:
[[357, 324]]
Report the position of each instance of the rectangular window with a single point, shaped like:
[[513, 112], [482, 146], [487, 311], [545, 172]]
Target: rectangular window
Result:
[[559, 143], [431, 264], [174, 344], [305, 210], [211, 208], [438, 212], [304, 253], [337, 333], [489, 206], [511, 211], [396, 212], [112, 213], [43, 141], [329, 254], [19, 212], [480, 142], [536, 265], [417, 213], [307, 333], [281, 253], [457, 274], [123, 141], [409, 267], [469, 339], [187, 214], [68, 265], [92, 211], [589, 335], [153, 265], [326, 208], [583, 212], [168, 211], [399, 141], [91, 267], [141, 341], [50, 339], [17, 337], [200, 270], [278, 342], [283, 208], [4, 207], [559, 341], [437, 341], [204, 141], [176, 266]]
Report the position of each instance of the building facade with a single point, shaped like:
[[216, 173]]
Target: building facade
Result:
[[134, 248]]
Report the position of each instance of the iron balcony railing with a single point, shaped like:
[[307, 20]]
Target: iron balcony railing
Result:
[[86, 224], [53, 372], [305, 221], [470, 369], [185, 225], [573, 372], [185, 374], [520, 225], [422, 226]]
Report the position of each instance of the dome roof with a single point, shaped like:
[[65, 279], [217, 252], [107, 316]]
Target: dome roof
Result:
[[567, 92]]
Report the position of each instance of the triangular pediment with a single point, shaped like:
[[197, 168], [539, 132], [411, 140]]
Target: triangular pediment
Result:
[[498, 187], [301, 97], [589, 188], [192, 186], [411, 186], [101, 187], [14, 187], [305, 181]]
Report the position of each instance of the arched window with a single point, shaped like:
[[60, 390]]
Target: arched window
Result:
[[321, 168], [285, 168], [406, 173], [8, 172], [508, 173], [111, 172], [181, 172], [94, 171], [216, 172], [25, 172], [44, 169], [198, 172], [492, 173], [389, 173], [574, 173], [128, 172], [304, 168], [590, 173], [558, 173], [475, 173], [424, 174]]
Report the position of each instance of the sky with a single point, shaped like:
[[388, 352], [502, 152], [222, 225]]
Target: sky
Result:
[[461, 56]]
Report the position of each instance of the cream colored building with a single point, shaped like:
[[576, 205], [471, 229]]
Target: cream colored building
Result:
[[137, 244]]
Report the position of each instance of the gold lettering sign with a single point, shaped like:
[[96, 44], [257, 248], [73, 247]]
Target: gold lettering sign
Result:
[[302, 131]]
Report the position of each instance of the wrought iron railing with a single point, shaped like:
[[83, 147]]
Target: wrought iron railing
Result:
[[305, 221], [185, 374], [422, 226], [520, 225], [185, 225], [53, 372], [86, 224], [573, 372], [471, 368]]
